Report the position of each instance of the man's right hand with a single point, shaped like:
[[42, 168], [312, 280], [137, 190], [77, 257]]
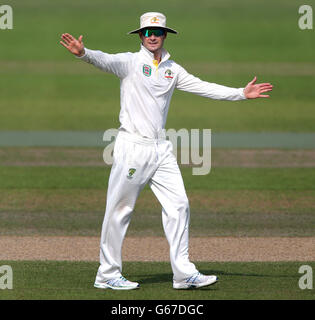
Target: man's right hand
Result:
[[72, 44]]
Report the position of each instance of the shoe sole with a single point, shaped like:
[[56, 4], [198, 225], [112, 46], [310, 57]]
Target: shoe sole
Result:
[[183, 286], [106, 286]]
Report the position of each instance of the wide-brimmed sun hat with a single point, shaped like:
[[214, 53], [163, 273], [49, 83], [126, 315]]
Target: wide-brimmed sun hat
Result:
[[153, 19]]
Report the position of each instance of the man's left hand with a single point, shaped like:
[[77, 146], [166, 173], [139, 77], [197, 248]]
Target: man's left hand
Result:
[[253, 91]]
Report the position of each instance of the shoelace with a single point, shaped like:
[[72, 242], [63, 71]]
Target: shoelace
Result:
[[193, 278], [113, 282], [123, 279]]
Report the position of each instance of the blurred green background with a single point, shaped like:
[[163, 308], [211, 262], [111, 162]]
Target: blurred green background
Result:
[[43, 87]]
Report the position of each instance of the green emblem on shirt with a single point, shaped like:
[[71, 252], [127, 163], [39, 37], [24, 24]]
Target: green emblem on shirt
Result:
[[146, 70], [131, 172]]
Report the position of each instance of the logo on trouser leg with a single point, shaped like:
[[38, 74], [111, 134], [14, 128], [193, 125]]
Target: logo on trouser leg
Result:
[[131, 172]]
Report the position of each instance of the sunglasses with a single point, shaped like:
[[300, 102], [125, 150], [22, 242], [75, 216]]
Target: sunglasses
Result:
[[157, 32]]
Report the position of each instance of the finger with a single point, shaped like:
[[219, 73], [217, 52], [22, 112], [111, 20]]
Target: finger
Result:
[[80, 39], [66, 35], [66, 39], [254, 80], [264, 84], [70, 36], [69, 39], [265, 90], [265, 87], [65, 45], [263, 96]]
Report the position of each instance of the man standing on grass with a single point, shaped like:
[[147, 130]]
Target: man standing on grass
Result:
[[142, 154]]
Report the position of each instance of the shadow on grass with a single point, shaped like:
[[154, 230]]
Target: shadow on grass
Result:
[[156, 278], [168, 277], [244, 274]]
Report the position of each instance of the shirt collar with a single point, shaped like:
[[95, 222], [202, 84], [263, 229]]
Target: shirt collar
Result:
[[148, 54]]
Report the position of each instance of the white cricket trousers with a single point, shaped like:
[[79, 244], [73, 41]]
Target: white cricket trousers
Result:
[[138, 161]]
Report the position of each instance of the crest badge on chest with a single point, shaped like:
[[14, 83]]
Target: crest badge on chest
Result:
[[147, 70], [169, 74]]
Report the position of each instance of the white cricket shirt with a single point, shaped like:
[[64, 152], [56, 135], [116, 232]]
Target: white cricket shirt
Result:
[[146, 88]]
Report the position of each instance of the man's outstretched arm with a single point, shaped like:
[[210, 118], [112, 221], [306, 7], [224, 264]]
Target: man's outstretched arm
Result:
[[189, 83], [112, 63]]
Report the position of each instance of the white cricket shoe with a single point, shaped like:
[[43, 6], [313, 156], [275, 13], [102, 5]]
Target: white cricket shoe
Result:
[[117, 284], [197, 280]]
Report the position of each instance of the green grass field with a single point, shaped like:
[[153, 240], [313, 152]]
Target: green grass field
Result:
[[237, 281], [229, 201], [44, 88]]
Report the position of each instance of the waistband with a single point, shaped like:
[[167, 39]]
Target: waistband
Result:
[[133, 137]]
